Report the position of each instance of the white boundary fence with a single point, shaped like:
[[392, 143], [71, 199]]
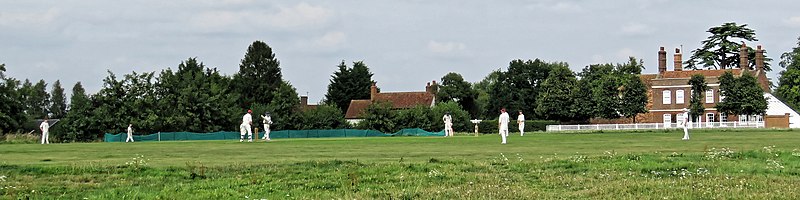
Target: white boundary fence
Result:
[[644, 126]]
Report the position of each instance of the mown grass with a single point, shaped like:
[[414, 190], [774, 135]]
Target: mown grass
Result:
[[752, 164]]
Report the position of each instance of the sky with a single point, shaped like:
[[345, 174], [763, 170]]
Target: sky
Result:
[[406, 43]]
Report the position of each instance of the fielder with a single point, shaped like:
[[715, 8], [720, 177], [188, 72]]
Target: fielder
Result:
[[45, 128], [267, 122], [503, 124], [686, 124], [521, 123], [448, 124], [244, 128], [130, 133]]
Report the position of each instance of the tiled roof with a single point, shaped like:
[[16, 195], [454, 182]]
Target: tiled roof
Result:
[[398, 100], [356, 108], [308, 107], [405, 99], [707, 73]]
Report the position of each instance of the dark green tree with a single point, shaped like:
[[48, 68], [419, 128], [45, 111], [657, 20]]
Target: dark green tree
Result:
[[461, 121], [633, 91], [78, 123], [58, 101], [12, 114], [108, 108], [285, 108], [743, 95], [454, 88], [259, 75], [324, 117], [555, 98], [789, 82], [349, 84], [581, 108], [696, 103], [519, 86], [721, 50], [37, 100], [482, 89], [417, 117], [379, 116]]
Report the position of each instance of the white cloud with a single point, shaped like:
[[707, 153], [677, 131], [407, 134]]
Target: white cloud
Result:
[[624, 53], [793, 21], [29, 18], [445, 47], [331, 40], [598, 59], [635, 29], [557, 6], [298, 17]]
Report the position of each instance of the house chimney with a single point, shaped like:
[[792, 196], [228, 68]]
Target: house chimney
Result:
[[662, 60], [434, 87], [759, 58], [373, 91], [428, 87], [678, 60], [744, 62], [303, 101]]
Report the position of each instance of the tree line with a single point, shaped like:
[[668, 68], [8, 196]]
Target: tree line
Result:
[[197, 98]]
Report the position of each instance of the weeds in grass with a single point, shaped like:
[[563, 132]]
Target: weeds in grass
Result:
[[19, 138], [137, 163], [722, 153]]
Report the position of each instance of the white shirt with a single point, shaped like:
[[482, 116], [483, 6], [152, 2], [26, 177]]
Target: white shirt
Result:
[[267, 119], [247, 119], [130, 130], [521, 118], [447, 119], [504, 121], [44, 126]]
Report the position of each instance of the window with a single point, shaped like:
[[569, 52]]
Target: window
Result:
[[667, 120], [680, 118], [679, 96], [710, 96], [709, 119], [723, 117], [666, 97], [721, 97]]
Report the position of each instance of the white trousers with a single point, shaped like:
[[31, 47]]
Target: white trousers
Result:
[[685, 133], [448, 129], [503, 134], [521, 129], [266, 132], [45, 137], [130, 137], [245, 129]]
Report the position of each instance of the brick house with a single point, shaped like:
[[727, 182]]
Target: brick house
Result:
[[398, 101], [669, 93]]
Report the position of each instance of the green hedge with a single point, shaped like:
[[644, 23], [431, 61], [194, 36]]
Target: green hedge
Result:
[[490, 126]]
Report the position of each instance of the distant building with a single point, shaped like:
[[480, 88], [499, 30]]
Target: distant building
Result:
[[304, 103], [669, 92], [398, 101]]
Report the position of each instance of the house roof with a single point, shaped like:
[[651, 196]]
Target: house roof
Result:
[[707, 73], [398, 100], [356, 108]]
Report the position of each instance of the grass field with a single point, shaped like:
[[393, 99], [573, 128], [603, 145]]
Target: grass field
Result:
[[742, 164]]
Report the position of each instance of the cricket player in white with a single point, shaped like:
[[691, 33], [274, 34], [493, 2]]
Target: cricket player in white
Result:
[[267, 122], [448, 124], [45, 128], [247, 121], [504, 119], [686, 124], [521, 123], [130, 133]]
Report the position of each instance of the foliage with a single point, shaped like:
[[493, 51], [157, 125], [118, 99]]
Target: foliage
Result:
[[720, 51], [417, 117], [349, 84], [743, 95], [633, 94], [482, 89], [614, 90], [77, 124], [37, 100], [12, 114], [555, 97], [454, 88], [581, 97], [696, 102], [258, 77], [58, 101], [324, 117], [789, 83], [519, 86], [460, 117], [379, 116], [285, 108], [791, 60]]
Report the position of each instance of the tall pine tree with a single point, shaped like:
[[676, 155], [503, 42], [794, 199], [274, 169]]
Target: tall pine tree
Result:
[[58, 101], [348, 84], [259, 75]]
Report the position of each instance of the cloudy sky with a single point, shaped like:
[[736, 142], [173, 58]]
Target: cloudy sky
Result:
[[405, 42]]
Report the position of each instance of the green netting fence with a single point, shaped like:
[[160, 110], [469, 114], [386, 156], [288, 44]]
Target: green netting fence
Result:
[[225, 135]]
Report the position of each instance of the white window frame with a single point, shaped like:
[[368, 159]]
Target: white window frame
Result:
[[680, 119], [679, 97], [710, 96], [721, 97], [666, 97], [723, 117], [667, 120]]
